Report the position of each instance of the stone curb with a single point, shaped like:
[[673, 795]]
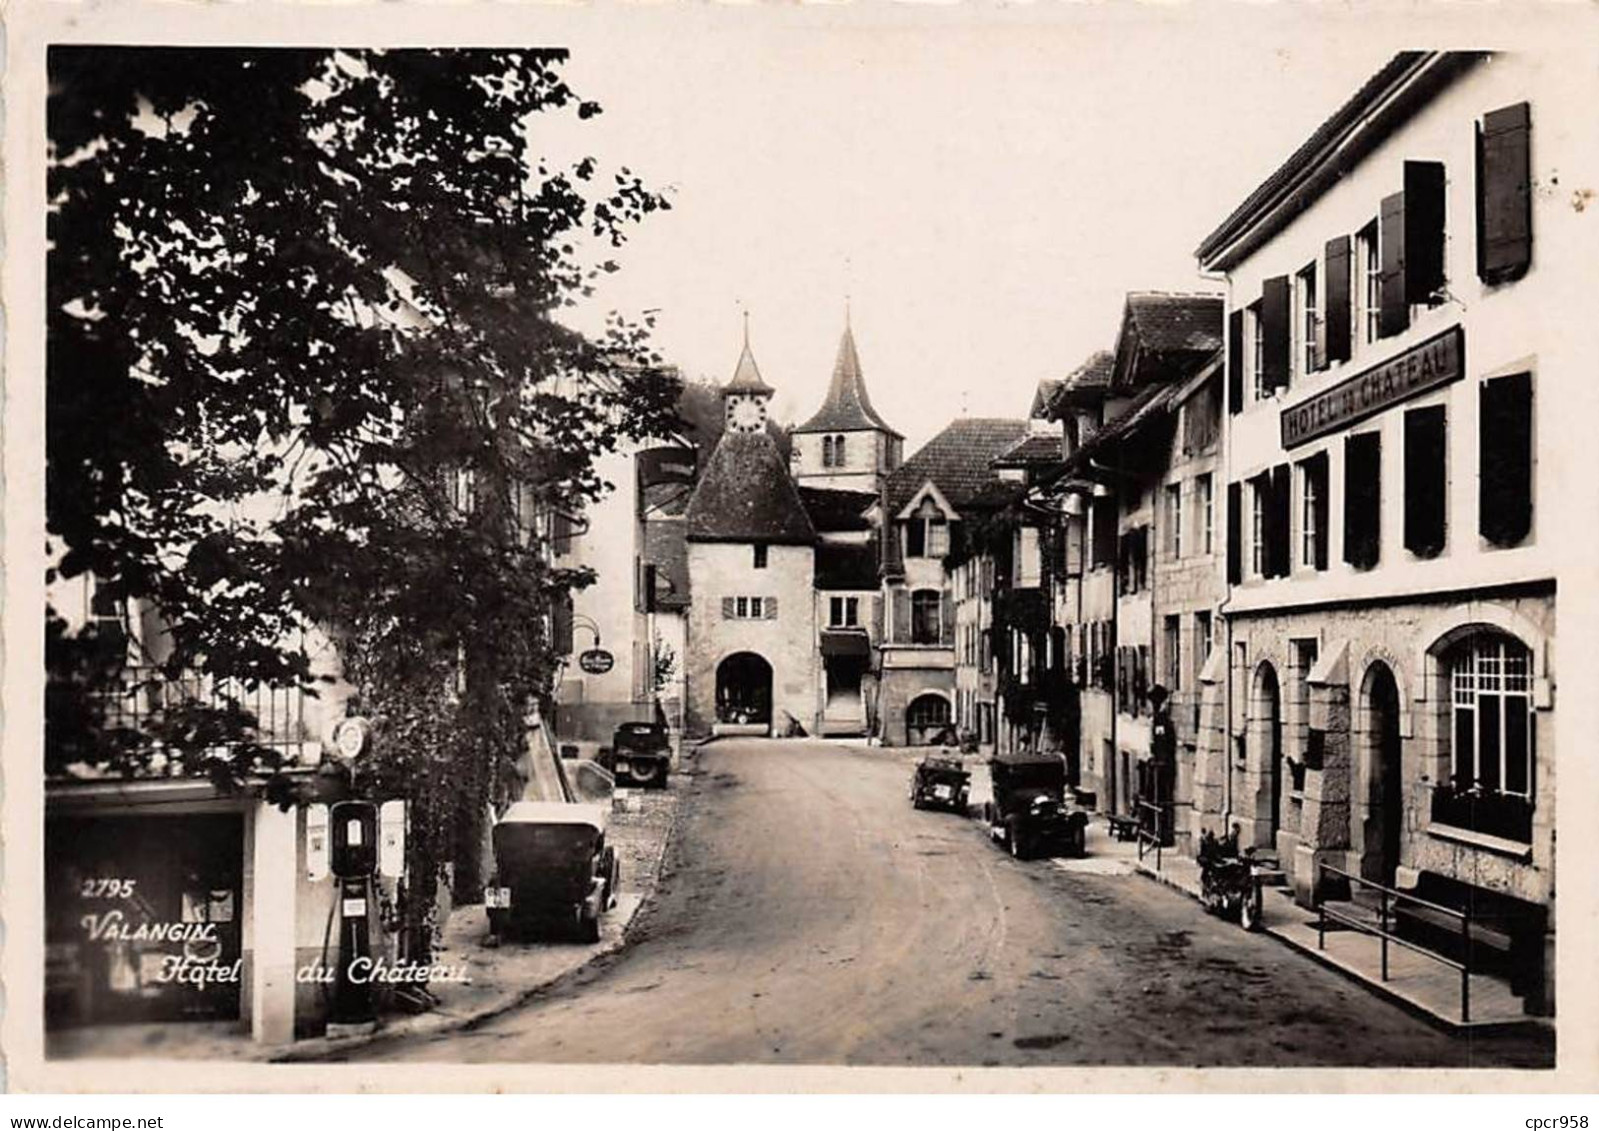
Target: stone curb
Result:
[[434, 1024]]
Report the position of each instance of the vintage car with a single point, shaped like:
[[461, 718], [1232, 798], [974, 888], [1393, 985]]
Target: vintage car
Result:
[[1029, 813], [641, 754], [941, 782], [553, 871]]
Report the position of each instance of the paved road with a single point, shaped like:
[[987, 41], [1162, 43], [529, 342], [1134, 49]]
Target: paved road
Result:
[[810, 915]]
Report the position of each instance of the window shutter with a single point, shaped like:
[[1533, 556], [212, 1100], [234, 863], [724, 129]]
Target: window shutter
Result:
[[1426, 479], [1279, 523], [1275, 305], [1235, 534], [1393, 314], [1363, 499], [1424, 231], [769, 607], [1504, 196], [1505, 502], [877, 616], [1235, 361], [947, 620], [1318, 474], [727, 608], [1337, 327], [902, 615]]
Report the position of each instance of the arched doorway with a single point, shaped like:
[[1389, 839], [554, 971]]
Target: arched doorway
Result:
[[925, 718], [744, 690], [1382, 782], [1266, 740]]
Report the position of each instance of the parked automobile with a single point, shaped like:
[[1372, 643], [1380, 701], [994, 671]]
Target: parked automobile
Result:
[[941, 782], [1029, 813], [553, 870], [641, 754]]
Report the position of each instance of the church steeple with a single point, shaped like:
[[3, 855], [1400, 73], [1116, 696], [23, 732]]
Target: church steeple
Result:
[[847, 408]]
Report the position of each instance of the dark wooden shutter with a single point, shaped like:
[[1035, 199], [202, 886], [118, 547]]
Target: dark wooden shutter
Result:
[[1274, 315], [1235, 534], [1338, 330], [1424, 231], [877, 616], [1393, 315], [1104, 532], [1426, 480], [1235, 361], [902, 616], [769, 607], [1279, 543], [1363, 499], [1316, 471], [1505, 502], [947, 620], [1504, 194]]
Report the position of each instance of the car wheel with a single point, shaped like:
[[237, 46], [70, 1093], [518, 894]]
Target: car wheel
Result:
[[645, 774]]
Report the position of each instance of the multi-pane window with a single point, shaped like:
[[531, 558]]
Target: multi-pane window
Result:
[[1205, 501], [1174, 519], [1307, 322], [844, 612], [926, 611], [749, 608], [1368, 288], [760, 557], [1257, 349], [1257, 528], [1490, 687], [927, 533], [1313, 513], [1202, 642]]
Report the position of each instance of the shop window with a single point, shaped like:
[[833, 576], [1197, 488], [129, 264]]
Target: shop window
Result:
[[1491, 746], [1426, 481], [1363, 499], [1504, 194], [1505, 459]]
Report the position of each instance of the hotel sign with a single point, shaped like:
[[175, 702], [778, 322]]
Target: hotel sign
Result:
[[1435, 362]]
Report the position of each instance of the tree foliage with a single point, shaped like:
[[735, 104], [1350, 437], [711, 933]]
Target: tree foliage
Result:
[[305, 368]]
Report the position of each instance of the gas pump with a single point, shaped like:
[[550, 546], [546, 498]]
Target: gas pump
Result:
[[353, 859]]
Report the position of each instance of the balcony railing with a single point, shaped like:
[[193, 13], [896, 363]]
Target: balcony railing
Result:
[[279, 712], [1484, 811]]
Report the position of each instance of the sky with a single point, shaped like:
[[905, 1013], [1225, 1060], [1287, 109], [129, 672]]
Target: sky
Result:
[[984, 186]]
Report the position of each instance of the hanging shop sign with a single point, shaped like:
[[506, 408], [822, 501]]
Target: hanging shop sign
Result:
[[1437, 361], [596, 661]]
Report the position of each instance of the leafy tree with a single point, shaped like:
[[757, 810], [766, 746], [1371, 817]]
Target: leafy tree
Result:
[[305, 368]]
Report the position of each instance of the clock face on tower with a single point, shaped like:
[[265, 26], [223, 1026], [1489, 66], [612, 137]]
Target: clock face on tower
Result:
[[746, 414]]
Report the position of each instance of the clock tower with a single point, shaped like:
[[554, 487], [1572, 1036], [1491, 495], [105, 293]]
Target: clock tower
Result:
[[745, 397]]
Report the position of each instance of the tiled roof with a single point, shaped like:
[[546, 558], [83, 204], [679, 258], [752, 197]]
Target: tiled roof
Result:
[[745, 495], [1150, 402], [837, 510], [1085, 384], [956, 460], [1048, 390], [1031, 450], [1168, 323], [843, 566], [847, 407], [1342, 130], [747, 376]]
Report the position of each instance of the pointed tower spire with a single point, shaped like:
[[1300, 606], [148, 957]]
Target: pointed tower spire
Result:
[[847, 407], [747, 375]]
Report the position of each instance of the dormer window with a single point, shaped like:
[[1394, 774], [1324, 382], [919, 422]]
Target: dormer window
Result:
[[927, 532]]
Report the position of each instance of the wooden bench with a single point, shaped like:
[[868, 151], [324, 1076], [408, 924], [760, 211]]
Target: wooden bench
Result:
[[1494, 934]]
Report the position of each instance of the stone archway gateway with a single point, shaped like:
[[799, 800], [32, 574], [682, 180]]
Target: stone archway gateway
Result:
[[1380, 802], [744, 690], [926, 716]]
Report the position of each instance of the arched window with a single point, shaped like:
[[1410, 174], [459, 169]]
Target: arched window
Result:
[[926, 607], [827, 451], [1490, 685], [838, 451]]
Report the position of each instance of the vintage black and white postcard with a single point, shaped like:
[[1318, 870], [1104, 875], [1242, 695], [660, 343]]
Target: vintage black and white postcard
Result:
[[827, 537]]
